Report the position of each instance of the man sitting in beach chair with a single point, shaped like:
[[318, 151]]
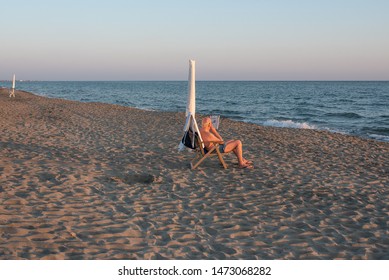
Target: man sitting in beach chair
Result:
[[210, 136]]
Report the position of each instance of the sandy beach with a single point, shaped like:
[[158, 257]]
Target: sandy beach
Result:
[[99, 181]]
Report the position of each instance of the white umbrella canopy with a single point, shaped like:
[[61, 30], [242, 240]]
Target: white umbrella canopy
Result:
[[191, 105]]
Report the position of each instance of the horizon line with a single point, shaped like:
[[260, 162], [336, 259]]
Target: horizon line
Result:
[[217, 80]]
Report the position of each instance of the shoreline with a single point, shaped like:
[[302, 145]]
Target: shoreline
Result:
[[85, 180], [272, 122], [311, 127]]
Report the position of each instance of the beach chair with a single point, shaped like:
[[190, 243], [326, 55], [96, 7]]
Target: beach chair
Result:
[[202, 154]]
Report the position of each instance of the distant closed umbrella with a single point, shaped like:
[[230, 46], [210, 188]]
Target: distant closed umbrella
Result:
[[190, 122], [12, 91]]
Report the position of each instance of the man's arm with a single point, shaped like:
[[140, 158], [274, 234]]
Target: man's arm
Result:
[[209, 137], [215, 133]]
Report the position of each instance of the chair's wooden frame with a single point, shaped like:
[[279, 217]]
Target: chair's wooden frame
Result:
[[202, 155]]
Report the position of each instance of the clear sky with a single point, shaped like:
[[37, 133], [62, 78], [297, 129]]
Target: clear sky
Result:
[[230, 40]]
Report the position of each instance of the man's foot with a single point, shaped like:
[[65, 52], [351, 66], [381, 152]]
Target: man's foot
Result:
[[245, 161], [245, 165]]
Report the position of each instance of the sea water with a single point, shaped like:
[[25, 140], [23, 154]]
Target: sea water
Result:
[[355, 108]]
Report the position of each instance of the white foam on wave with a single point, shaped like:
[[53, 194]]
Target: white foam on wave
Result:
[[289, 124], [379, 137]]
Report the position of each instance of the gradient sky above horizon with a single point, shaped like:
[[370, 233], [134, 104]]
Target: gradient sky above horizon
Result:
[[230, 40]]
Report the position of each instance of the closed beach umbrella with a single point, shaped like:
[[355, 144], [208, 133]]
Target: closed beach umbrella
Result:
[[191, 104], [12, 90]]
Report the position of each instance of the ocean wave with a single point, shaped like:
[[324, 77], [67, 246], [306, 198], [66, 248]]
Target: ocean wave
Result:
[[379, 130], [348, 115], [289, 124]]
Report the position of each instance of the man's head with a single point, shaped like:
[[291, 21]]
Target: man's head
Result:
[[206, 122]]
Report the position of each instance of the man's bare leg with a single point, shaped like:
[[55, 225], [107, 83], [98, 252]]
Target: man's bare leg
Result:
[[236, 147]]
